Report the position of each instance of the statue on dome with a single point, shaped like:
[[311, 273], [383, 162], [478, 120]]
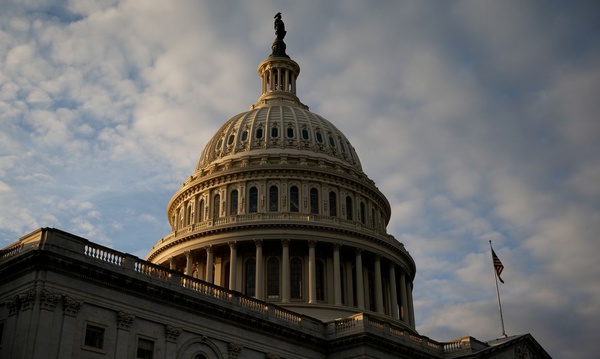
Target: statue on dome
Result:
[[279, 46], [279, 27]]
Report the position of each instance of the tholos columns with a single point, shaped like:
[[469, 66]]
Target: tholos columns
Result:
[[312, 275], [403, 297], [393, 292], [378, 287], [258, 288], [337, 285], [360, 292], [285, 271], [210, 267], [232, 265]]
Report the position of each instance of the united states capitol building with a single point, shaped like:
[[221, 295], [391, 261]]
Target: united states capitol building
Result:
[[278, 249]]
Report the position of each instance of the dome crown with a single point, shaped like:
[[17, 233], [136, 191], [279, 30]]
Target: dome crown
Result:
[[278, 122]]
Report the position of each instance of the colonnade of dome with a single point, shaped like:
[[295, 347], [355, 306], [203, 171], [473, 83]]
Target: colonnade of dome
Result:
[[279, 209]]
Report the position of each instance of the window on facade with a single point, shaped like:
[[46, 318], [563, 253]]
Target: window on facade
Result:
[[274, 132], [217, 207], [314, 201], [273, 278], [290, 132], [320, 274], [250, 274], [190, 214], [342, 147], [253, 200], [319, 137], [245, 135], [201, 210], [230, 140], [273, 199], [259, 133], [294, 199], [145, 349], [331, 142], [305, 134], [348, 208], [296, 278], [362, 213], [220, 144], [233, 206], [332, 204], [94, 336]]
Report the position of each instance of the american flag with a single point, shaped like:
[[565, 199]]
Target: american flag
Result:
[[497, 265]]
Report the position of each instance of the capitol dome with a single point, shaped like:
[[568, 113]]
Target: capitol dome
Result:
[[279, 209]]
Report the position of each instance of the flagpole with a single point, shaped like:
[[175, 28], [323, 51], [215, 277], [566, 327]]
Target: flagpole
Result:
[[497, 291]]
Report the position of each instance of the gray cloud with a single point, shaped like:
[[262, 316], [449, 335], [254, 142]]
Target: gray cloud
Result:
[[478, 121]]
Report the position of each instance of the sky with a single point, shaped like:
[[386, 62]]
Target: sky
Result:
[[479, 120]]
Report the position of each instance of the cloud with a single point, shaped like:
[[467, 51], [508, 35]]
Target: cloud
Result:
[[477, 120]]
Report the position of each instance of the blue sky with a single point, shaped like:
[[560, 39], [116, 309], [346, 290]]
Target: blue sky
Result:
[[477, 119]]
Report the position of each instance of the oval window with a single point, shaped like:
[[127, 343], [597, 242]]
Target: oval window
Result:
[[259, 133], [331, 141], [304, 134], [219, 144], [319, 137], [274, 132], [245, 135], [290, 132], [342, 146], [230, 140]]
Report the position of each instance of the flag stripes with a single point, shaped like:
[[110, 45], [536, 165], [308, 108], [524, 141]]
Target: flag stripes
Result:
[[497, 265]]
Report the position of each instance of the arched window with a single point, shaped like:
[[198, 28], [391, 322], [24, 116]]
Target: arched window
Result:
[[320, 274], [250, 277], [253, 200], [201, 210], [233, 206], [190, 214], [332, 204], [273, 278], [274, 132], [362, 213], [259, 133], [294, 199], [217, 206], [290, 132], [305, 135], [273, 199], [296, 278], [314, 201], [349, 215]]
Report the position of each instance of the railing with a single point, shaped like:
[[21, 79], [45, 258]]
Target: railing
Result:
[[288, 316], [152, 270], [10, 251], [104, 254], [254, 305]]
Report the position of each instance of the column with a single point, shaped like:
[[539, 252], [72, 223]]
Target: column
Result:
[[403, 300], [360, 290], [232, 265], [45, 334], [172, 263], [411, 313], [337, 285], [209, 264], [189, 266], [378, 286], [312, 275], [349, 286], [258, 288], [285, 271], [279, 83], [124, 321], [393, 292], [71, 308]]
